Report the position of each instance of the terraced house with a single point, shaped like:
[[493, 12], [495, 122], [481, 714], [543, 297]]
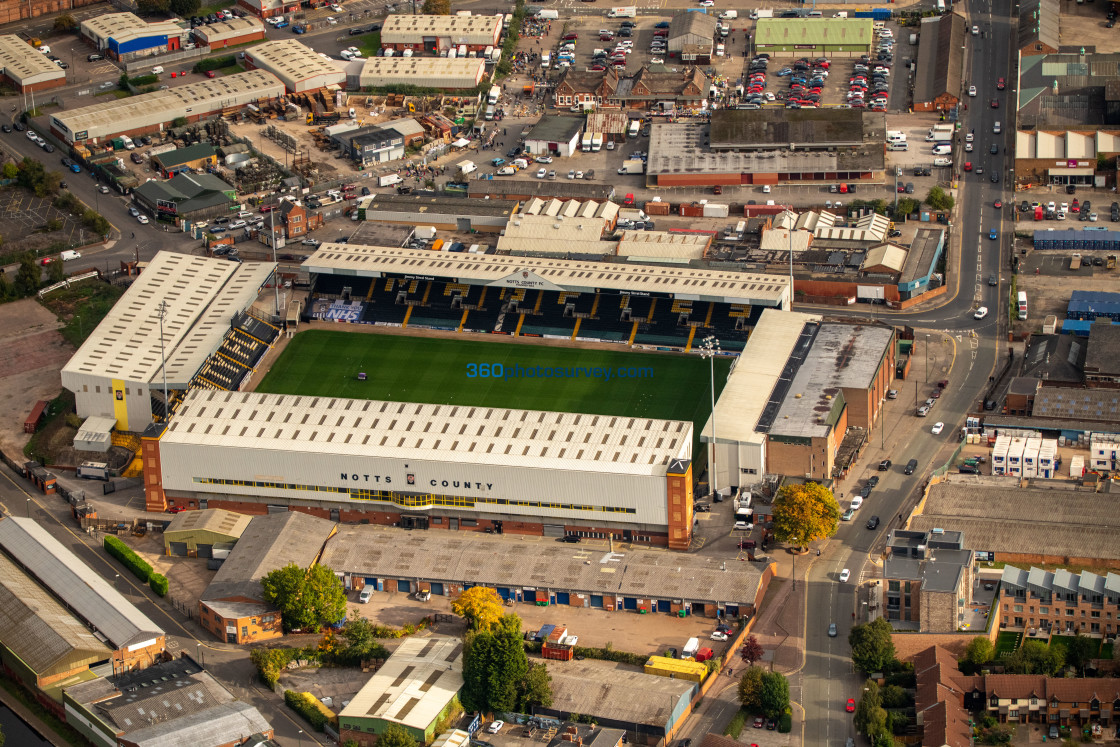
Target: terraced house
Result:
[[1059, 602]]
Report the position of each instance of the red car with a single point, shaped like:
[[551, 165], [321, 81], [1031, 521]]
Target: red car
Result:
[[968, 165], [569, 37], [995, 103], [759, 722], [997, 205], [45, 261], [211, 74], [851, 707], [1001, 84], [176, 510]]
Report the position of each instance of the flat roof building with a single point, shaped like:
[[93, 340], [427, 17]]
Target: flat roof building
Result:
[[298, 67], [152, 112], [136, 641], [618, 696], [25, 68], [554, 135], [415, 688], [440, 212], [436, 33], [448, 74], [574, 237], [230, 32], [831, 37], [663, 246], [127, 36]]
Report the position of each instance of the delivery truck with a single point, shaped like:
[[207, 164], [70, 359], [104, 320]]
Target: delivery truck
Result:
[[596, 141], [629, 11], [387, 180], [548, 15], [495, 94], [761, 13], [585, 143], [690, 648], [466, 167]]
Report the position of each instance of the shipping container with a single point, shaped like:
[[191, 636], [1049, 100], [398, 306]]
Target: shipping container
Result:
[[93, 470], [657, 208], [715, 210], [663, 666]]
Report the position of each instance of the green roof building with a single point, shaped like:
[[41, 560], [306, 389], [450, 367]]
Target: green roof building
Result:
[[195, 534], [830, 37]]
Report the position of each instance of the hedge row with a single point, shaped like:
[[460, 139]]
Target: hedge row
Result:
[[214, 63], [128, 558], [158, 583], [306, 706]]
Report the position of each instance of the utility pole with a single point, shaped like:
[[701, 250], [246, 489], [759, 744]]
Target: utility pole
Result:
[[275, 277], [161, 314], [709, 348]]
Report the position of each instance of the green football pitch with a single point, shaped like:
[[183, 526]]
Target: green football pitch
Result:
[[494, 374]]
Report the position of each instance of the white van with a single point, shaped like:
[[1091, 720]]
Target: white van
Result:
[[157, 70], [896, 136], [898, 145], [346, 54], [942, 150], [70, 254], [729, 14], [366, 595]]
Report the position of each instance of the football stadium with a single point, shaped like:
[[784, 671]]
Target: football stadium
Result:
[[576, 412]]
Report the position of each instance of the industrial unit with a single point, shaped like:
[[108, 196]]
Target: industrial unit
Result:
[[25, 69], [692, 36], [830, 37], [203, 298], [126, 36], [438, 211], [298, 67], [441, 33], [520, 471], [425, 72], [231, 32], [152, 112]]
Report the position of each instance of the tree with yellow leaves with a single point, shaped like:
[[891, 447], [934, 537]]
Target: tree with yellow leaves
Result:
[[480, 606], [804, 513]]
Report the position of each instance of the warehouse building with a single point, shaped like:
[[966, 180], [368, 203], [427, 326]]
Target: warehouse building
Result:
[[692, 37], [135, 641], [415, 688], [521, 471], [438, 34], [126, 36], [230, 33], [443, 73], [198, 156], [664, 247], [204, 297], [827, 37], [938, 83], [186, 196], [554, 136], [173, 703], [300, 68], [195, 534], [41, 643], [268, 8], [442, 213], [232, 607], [372, 144], [574, 237], [25, 69], [152, 112]]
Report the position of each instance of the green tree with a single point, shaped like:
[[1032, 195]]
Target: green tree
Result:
[[5, 287], [480, 606], [939, 199], [804, 513], [437, 7], [495, 668], [872, 646], [151, 7], [1035, 657], [979, 652], [869, 711], [535, 689], [64, 23], [56, 273], [396, 735], [894, 696], [27, 276], [185, 8], [11, 171], [1080, 651], [907, 206], [361, 641], [307, 599], [750, 688], [773, 697]]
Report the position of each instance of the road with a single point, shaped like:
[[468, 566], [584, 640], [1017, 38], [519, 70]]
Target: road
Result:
[[827, 678]]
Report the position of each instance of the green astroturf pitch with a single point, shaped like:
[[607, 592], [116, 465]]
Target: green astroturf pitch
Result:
[[440, 371]]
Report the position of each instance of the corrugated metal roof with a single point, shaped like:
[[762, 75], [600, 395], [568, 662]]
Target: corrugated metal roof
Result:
[[629, 695], [293, 62], [400, 28], [940, 61], [216, 520], [848, 32], [124, 27], [413, 686], [24, 64], [268, 543], [223, 724], [754, 376], [886, 255], [230, 29], [554, 274], [93, 598], [428, 72], [476, 435], [202, 296], [39, 630], [663, 244]]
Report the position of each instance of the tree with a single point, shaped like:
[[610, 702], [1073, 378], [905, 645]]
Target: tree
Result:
[[907, 206], [750, 688], [1035, 657], [939, 199], [1080, 650], [480, 606], [5, 287], [10, 171], [65, 22], [751, 650], [396, 735], [185, 8], [894, 696], [535, 689], [495, 668], [437, 7], [870, 714], [804, 513], [307, 599], [56, 273], [872, 647], [978, 652], [27, 276], [773, 697], [150, 7]]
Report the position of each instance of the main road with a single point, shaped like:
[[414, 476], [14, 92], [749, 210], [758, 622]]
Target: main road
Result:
[[827, 676]]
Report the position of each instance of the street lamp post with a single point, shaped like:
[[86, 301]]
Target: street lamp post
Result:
[[161, 313], [927, 358], [27, 505], [709, 348], [198, 650], [795, 548]]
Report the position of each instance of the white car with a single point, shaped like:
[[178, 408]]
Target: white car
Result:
[[969, 138], [707, 3], [579, 175], [937, 428], [336, 7], [495, 727], [657, 61], [542, 173], [980, 313], [856, 503], [572, 174], [719, 636], [355, 51], [743, 526], [142, 218], [972, 90], [845, 575], [544, 159], [976, 31], [968, 147]]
